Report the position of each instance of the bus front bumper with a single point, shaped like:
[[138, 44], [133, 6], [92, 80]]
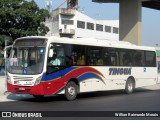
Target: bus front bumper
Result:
[[33, 90]]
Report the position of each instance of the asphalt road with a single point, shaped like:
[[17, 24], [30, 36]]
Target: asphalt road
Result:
[[140, 100], [143, 99]]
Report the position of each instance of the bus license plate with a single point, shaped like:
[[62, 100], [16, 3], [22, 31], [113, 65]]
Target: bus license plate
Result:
[[21, 88]]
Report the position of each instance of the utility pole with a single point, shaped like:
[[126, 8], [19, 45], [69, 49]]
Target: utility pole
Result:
[[5, 58]]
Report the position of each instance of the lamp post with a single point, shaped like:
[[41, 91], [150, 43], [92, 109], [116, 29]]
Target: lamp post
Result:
[[5, 57]]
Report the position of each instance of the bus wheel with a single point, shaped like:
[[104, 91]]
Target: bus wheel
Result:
[[71, 91], [129, 86], [38, 96]]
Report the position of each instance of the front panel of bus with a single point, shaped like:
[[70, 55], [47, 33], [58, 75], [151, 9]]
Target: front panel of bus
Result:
[[25, 66]]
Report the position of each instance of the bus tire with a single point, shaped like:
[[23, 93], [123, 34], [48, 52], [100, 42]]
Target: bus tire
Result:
[[129, 86], [71, 91]]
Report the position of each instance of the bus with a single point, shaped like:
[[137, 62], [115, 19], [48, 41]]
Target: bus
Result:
[[51, 65]]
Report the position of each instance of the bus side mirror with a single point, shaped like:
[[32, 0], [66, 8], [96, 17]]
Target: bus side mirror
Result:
[[50, 53], [7, 48]]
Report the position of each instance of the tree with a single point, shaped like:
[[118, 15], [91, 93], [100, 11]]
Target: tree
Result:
[[2, 44], [2, 40], [20, 18]]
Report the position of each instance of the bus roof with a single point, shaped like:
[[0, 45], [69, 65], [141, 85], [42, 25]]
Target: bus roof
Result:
[[93, 42]]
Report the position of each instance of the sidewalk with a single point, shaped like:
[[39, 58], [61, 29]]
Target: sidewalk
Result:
[[2, 85]]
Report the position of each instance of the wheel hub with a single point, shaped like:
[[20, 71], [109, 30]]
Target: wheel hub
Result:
[[130, 87], [71, 91]]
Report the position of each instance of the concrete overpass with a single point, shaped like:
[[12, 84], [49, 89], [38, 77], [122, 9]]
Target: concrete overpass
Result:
[[131, 17]]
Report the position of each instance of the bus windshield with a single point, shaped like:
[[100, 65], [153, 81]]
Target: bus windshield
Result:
[[26, 59]]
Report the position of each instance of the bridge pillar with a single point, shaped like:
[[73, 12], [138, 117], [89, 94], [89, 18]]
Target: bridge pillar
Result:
[[130, 21]]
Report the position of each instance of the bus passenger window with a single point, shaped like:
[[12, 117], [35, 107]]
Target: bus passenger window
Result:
[[81, 60], [78, 55], [114, 59], [111, 57], [95, 56], [107, 59], [99, 62], [138, 59], [126, 60], [150, 59], [69, 61]]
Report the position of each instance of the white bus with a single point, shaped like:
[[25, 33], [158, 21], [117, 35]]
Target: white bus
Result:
[[50, 65]]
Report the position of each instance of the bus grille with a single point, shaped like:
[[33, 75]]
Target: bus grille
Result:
[[18, 78]]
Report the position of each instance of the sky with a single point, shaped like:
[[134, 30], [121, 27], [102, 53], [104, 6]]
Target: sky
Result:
[[110, 11]]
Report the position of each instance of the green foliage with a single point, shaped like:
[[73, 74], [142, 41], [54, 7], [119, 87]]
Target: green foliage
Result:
[[4, 38], [20, 18], [2, 41]]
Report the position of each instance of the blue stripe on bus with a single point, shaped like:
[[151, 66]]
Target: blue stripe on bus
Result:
[[58, 74], [88, 76]]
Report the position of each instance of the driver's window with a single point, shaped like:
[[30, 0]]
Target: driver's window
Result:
[[56, 58]]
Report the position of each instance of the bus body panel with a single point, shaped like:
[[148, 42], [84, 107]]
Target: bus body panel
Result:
[[90, 78]]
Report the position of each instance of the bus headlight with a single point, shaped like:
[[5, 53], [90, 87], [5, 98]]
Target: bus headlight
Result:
[[9, 79], [38, 80]]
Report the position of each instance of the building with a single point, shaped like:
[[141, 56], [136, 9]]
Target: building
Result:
[[74, 24]]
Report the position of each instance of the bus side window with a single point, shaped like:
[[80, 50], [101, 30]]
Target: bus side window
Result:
[[150, 59], [74, 55], [111, 57], [107, 59], [126, 59], [95, 56], [114, 59], [99, 61], [138, 59], [69, 61], [81, 60]]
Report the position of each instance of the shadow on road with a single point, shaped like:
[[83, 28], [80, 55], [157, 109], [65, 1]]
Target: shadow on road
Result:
[[81, 96]]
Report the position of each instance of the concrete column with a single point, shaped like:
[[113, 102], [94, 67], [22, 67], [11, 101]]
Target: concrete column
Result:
[[130, 21]]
